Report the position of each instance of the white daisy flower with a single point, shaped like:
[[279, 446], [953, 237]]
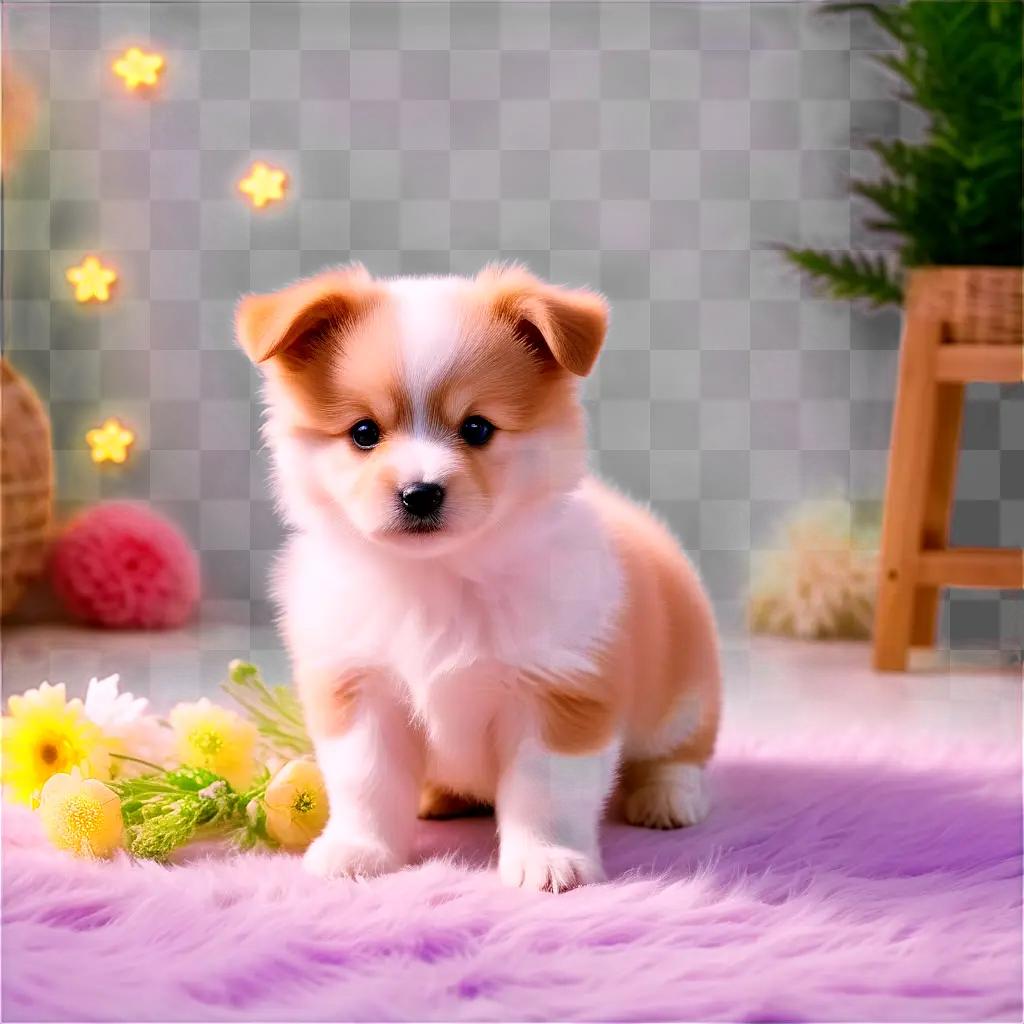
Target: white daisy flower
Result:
[[124, 720]]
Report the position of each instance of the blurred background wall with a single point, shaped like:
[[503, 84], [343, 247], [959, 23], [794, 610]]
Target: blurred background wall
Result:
[[656, 151]]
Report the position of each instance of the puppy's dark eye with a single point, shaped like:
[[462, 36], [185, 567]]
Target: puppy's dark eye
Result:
[[476, 431], [365, 434]]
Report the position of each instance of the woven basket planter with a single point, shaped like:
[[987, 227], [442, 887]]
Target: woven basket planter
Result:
[[26, 486], [977, 305]]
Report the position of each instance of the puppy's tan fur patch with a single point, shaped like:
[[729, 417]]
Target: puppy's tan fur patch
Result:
[[662, 658], [329, 702], [575, 721], [436, 802]]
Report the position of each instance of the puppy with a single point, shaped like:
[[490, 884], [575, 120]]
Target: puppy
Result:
[[471, 616]]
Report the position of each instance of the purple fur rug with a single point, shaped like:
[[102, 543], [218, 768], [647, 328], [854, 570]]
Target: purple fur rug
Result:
[[836, 879]]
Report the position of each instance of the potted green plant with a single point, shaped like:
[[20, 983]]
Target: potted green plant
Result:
[[955, 198], [954, 202]]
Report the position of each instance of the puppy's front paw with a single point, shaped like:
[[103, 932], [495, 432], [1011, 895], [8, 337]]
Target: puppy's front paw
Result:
[[671, 798], [338, 856], [547, 868]]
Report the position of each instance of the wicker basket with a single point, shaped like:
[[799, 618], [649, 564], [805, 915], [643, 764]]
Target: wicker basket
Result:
[[26, 485], [978, 305]]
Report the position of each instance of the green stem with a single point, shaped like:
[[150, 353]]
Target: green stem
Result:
[[139, 760]]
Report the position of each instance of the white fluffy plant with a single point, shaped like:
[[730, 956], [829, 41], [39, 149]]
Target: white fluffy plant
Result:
[[818, 578]]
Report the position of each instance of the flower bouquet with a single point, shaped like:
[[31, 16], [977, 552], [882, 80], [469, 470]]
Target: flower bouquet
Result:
[[105, 774]]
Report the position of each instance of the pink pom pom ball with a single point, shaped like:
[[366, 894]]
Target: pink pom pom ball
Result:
[[120, 565]]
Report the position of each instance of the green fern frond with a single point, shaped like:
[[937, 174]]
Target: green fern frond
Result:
[[956, 197], [886, 16], [844, 275]]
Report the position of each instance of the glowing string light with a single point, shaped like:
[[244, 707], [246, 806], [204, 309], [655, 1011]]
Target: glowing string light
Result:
[[263, 184], [137, 68], [92, 280], [110, 442]]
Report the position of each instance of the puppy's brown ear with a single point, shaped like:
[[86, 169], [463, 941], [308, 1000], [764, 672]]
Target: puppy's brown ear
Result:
[[567, 324], [294, 321]]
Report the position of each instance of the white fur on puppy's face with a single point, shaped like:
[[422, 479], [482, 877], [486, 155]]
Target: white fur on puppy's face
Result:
[[428, 354]]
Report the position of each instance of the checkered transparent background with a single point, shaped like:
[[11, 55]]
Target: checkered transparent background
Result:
[[656, 151]]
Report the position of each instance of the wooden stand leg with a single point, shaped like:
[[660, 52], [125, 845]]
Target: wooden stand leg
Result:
[[940, 471], [913, 432]]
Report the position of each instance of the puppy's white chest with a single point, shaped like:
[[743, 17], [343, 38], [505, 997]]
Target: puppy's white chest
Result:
[[461, 717], [542, 600]]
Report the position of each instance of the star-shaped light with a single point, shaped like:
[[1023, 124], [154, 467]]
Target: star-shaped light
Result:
[[110, 443], [138, 68], [263, 184], [92, 280]]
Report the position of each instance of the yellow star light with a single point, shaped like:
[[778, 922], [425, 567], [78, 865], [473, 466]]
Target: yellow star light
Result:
[[264, 184], [92, 280], [110, 443], [138, 68]]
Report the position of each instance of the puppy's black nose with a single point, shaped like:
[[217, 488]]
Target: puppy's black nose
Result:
[[423, 500]]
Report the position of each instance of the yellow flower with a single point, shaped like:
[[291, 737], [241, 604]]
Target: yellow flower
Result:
[[217, 739], [81, 815], [296, 804], [45, 734]]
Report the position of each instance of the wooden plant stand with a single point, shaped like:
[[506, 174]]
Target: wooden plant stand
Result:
[[961, 324]]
